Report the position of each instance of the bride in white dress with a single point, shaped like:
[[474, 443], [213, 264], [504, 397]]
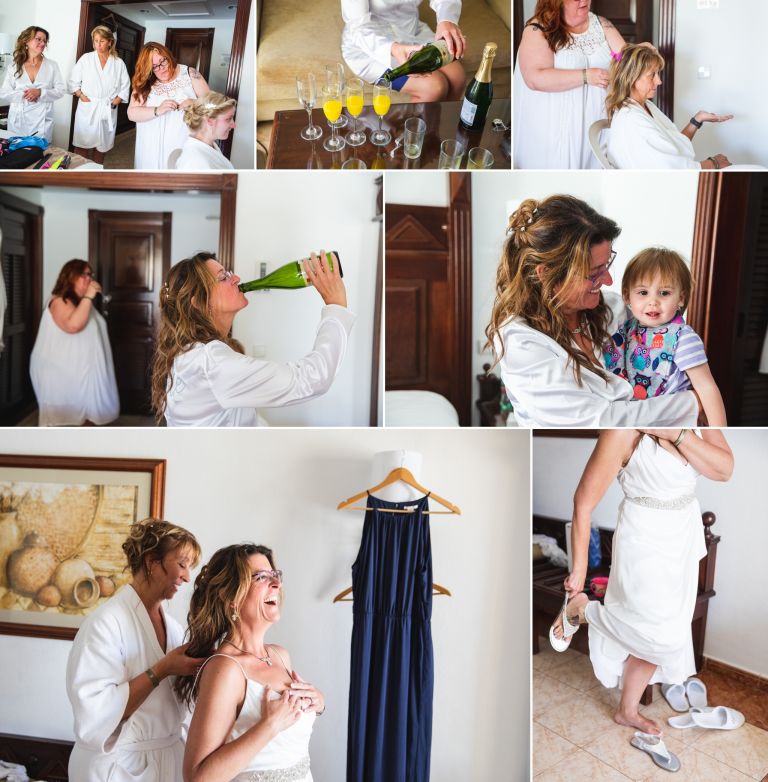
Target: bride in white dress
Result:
[[253, 714], [642, 632]]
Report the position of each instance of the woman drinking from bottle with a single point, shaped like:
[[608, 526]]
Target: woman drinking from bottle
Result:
[[201, 376]]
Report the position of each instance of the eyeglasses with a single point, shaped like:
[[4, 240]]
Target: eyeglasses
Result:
[[161, 64], [87, 274], [262, 576], [224, 276], [41, 39], [600, 271]]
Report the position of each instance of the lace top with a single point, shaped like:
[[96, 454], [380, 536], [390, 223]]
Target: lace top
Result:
[[170, 89]]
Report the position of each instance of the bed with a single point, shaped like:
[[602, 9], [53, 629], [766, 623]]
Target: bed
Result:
[[418, 408]]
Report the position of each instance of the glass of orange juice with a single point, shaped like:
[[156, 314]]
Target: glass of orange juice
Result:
[[382, 100], [355, 107], [332, 111]]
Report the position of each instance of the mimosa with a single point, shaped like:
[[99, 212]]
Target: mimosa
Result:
[[381, 104], [355, 105], [332, 109], [382, 92]]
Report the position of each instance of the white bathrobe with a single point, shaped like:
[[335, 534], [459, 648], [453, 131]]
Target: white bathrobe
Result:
[[96, 120], [372, 26], [115, 644], [25, 117], [637, 139], [196, 155]]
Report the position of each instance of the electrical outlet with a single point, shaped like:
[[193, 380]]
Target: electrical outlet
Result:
[[707, 5], [259, 351], [704, 72]]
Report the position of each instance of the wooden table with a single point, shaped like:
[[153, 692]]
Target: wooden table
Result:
[[288, 150], [78, 161]]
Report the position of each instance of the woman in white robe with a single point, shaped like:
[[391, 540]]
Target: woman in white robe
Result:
[[381, 34], [71, 363], [100, 82], [559, 84], [642, 632], [200, 375], [127, 721], [641, 135], [550, 322], [31, 85], [161, 90], [210, 118]]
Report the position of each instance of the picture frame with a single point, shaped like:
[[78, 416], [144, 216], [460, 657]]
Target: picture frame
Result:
[[63, 520]]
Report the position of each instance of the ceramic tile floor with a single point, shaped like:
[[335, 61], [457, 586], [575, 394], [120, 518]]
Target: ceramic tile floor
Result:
[[575, 737]]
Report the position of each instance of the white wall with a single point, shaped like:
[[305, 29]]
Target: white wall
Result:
[[418, 188], [737, 628], [281, 488], [283, 216]]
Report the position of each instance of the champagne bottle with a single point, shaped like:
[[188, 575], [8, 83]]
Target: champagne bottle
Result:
[[477, 98], [290, 275], [427, 59]]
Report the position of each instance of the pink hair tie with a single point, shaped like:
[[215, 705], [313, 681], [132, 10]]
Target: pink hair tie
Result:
[[616, 56]]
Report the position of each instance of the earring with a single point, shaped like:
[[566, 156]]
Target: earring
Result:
[[235, 616]]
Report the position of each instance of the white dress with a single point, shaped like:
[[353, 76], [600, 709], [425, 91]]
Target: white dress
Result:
[[551, 128], [543, 390], [72, 374], [372, 26], [286, 757], [652, 587], [196, 155], [214, 385], [638, 140], [115, 644], [25, 117], [96, 120], [156, 138]]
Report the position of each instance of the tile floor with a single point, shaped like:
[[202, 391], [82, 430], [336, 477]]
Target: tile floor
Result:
[[575, 738]]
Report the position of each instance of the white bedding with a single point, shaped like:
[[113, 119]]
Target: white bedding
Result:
[[418, 408]]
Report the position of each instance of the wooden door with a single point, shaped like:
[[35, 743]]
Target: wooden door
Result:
[[130, 253], [633, 18], [21, 224], [192, 46]]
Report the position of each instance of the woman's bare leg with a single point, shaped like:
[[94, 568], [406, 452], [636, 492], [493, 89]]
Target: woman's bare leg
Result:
[[575, 611], [427, 87], [637, 674]]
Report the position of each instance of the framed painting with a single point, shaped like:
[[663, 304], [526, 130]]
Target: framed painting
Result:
[[63, 521]]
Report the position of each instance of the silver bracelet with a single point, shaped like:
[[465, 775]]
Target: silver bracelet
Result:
[[683, 433]]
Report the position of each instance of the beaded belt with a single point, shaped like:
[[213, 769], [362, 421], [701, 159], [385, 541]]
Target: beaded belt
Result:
[[290, 774], [651, 502]]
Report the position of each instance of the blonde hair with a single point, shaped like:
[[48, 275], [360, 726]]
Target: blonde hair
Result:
[[208, 106], [668, 264], [156, 538], [547, 253], [219, 591], [636, 59], [20, 50], [108, 35]]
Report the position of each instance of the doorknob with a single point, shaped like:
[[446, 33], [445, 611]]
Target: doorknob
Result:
[[106, 298]]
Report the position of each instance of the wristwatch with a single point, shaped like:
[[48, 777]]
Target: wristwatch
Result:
[[696, 124]]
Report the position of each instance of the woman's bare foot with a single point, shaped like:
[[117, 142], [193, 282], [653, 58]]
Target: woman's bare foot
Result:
[[636, 720], [575, 611]]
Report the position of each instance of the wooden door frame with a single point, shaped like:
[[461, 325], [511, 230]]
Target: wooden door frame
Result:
[[377, 305], [223, 184], [237, 52], [665, 95], [209, 32]]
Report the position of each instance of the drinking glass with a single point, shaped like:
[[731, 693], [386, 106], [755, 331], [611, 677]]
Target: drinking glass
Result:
[[355, 103], [413, 137], [334, 77], [382, 100], [332, 110], [479, 157], [307, 92], [354, 163], [451, 152]]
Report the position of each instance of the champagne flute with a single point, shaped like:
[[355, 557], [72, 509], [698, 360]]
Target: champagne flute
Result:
[[382, 99], [332, 110], [355, 103], [307, 92], [334, 77]]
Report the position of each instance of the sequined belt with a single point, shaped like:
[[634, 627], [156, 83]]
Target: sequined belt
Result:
[[290, 774], [652, 502]]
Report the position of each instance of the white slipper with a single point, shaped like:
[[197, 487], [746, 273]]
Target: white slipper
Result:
[[674, 695], [696, 692], [711, 718], [561, 644], [655, 747]]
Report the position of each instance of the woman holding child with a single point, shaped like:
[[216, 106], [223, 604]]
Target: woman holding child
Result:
[[551, 325]]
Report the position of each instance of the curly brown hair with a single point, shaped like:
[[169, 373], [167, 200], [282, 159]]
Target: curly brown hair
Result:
[[636, 59], [143, 75], [156, 538], [65, 282], [549, 251], [20, 50]]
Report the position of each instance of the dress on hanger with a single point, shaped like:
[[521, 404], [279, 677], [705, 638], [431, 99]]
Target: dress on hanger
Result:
[[653, 583], [392, 668]]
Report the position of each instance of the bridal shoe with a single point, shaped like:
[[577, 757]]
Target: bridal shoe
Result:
[[655, 747], [561, 644]]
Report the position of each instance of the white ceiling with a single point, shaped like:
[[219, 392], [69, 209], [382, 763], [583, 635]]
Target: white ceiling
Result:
[[175, 10]]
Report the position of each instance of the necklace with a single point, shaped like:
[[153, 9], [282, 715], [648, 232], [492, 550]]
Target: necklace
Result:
[[582, 328], [267, 660]]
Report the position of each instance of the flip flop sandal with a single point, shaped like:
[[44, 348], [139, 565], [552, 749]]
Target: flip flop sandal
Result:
[[696, 691], [714, 718], [674, 695], [561, 644], [655, 747]]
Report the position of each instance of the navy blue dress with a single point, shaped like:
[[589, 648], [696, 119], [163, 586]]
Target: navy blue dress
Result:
[[392, 672]]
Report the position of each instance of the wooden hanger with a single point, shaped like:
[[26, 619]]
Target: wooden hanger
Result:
[[342, 596], [406, 476]]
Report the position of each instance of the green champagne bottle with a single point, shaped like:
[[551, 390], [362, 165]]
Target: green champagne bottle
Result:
[[290, 275], [477, 98], [427, 59]]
